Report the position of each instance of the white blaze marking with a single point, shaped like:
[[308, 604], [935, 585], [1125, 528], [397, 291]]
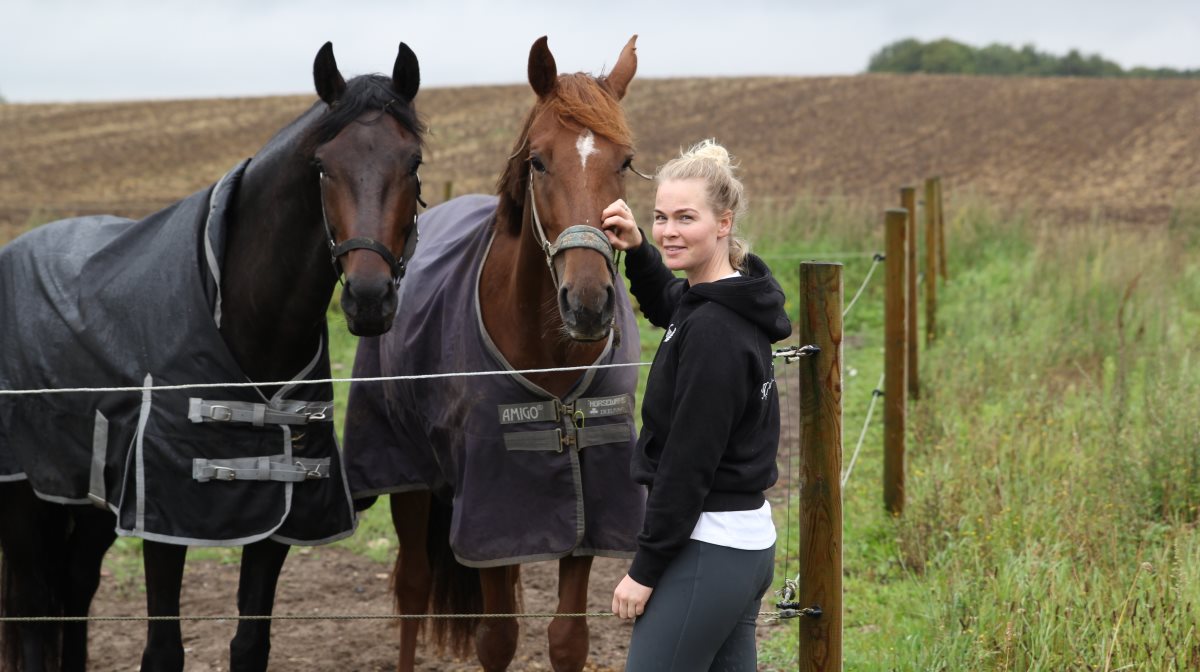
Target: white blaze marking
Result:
[[586, 144]]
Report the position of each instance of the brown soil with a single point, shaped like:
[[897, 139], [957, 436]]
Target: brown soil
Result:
[[1125, 148], [336, 581]]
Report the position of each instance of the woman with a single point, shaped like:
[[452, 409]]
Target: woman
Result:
[[710, 422]]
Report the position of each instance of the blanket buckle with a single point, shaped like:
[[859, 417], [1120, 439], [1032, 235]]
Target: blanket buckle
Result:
[[310, 474], [220, 413], [224, 473], [319, 414]]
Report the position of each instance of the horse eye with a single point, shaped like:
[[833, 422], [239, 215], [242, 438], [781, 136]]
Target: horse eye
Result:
[[537, 164], [627, 165]]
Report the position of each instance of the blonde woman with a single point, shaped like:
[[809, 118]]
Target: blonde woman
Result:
[[710, 422]]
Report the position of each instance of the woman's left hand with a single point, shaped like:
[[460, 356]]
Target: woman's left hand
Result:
[[630, 598]]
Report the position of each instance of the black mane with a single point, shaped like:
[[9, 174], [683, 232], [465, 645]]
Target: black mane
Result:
[[364, 94]]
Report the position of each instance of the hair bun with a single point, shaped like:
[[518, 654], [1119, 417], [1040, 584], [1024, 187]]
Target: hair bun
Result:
[[710, 150]]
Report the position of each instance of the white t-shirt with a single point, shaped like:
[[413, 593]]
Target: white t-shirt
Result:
[[745, 530]]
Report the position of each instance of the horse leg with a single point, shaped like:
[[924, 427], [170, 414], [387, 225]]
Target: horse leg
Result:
[[496, 638], [261, 564], [91, 536], [32, 557], [412, 577], [569, 636], [164, 580]]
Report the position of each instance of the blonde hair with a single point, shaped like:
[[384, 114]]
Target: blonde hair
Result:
[[707, 160]]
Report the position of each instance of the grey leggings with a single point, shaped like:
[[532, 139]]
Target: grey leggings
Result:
[[702, 613]]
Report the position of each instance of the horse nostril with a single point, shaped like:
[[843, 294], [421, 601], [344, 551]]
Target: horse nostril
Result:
[[564, 299]]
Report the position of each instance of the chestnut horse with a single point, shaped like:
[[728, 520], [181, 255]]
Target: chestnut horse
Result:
[[538, 282], [339, 183]]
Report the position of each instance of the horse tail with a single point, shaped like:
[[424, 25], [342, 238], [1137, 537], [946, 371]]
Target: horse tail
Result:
[[455, 587], [33, 555]]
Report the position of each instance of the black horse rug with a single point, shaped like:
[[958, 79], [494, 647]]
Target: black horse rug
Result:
[[109, 302], [533, 477]]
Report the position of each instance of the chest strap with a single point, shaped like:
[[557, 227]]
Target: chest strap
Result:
[[282, 412], [573, 430], [273, 468]]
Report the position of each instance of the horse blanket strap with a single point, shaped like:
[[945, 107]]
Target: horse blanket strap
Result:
[[554, 409], [282, 412], [572, 416], [97, 490], [517, 459], [273, 468], [555, 440]]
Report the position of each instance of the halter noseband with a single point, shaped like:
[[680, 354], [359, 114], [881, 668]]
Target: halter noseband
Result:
[[337, 250], [579, 235]]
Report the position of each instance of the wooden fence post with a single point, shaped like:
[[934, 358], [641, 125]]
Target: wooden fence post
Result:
[[941, 231], [894, 353], [931, 262], [448, 191], [908, 201], [820, 549]]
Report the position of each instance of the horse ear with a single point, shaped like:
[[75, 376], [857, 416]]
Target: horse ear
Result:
[[330, 85], [624, 70], [543, 71], [406, 73]]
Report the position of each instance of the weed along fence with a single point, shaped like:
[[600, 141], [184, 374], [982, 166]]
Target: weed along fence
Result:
[[814, 595]]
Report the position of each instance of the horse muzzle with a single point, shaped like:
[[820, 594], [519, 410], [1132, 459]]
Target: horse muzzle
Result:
[[369, 305], [587, 312]]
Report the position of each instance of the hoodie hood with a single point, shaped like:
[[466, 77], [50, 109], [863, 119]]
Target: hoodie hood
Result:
[[755, 295]]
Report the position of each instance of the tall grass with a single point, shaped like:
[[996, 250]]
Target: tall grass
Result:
[[1054, 458]]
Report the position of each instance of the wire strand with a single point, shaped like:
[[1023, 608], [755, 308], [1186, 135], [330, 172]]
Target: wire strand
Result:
[[875, 394], [878, 258], [312, 617], [320, 381]]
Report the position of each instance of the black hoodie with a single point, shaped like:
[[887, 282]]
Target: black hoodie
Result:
[[710, 414]]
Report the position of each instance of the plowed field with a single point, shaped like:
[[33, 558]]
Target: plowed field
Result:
[[1125, 148]]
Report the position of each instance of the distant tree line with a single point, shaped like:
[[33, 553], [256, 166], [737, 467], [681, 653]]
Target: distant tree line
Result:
[[950, 57]]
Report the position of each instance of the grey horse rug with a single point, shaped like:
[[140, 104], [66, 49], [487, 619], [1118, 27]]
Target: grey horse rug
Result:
[[109, 302], [533, 477]]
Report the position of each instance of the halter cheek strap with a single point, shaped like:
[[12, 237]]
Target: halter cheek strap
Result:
[[337, 250], [579, 235]]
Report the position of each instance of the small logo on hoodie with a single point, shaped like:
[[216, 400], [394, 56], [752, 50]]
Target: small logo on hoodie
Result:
[[766, 388], [670, 333]]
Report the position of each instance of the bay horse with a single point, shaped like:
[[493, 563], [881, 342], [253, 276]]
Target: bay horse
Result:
[[484, 474], [338, 184]]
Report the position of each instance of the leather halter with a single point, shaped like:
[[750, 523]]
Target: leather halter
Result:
[[337, 250], [579, 235]]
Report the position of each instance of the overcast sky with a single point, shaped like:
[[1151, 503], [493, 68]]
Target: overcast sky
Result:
[[68, 50]]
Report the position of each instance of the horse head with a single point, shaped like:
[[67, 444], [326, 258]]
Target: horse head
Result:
[[569, 164], [366, 153]]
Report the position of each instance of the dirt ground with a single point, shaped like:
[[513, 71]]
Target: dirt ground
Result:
[[335, 581]]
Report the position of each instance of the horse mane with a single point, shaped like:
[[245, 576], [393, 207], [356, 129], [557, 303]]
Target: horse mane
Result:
[[364, 94], [578, 101]]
